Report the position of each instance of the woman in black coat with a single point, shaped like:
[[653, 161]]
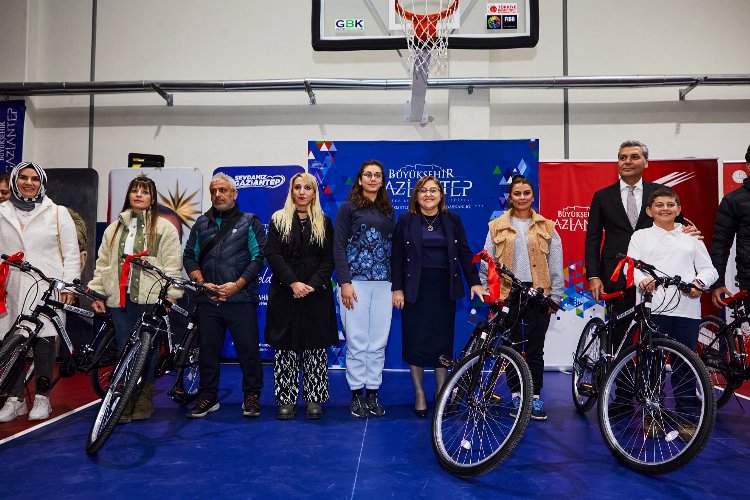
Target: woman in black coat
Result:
[[301, 316]]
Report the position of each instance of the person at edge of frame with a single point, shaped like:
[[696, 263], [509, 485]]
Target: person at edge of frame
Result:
[[732, 220]]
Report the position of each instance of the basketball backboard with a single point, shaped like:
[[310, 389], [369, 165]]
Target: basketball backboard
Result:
[[374, 24]]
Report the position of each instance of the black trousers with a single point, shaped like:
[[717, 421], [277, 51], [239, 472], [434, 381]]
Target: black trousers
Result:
[[618, 307], [241, 319], [528, 335]]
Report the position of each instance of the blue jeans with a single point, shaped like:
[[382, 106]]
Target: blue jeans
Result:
[[124, 321], [685, 331]]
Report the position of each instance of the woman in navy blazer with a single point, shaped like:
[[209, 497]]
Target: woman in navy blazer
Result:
[[430, 252]]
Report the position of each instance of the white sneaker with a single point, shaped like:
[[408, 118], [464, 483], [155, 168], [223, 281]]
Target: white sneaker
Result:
[[41, 409], [12, 408]]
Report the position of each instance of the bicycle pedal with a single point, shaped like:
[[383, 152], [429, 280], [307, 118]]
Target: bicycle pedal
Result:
[[585, 389], [446, 362]]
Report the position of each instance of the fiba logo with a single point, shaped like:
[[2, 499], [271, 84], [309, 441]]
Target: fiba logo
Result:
[[259, 181], [573, 219]]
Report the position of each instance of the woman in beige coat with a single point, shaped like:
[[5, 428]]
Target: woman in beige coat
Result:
[[137, 229], [33, 224]]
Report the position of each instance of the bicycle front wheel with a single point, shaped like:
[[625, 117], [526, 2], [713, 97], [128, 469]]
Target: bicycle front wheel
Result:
[[714, 351], [12, 360], [476, 426], [657, 408], [103, 362], [124, 381], [584, 387]]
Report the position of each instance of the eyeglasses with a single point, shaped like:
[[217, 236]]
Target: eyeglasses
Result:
[[376, 175], [430, 190]]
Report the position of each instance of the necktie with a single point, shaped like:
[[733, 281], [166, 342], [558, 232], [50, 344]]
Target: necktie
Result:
[[630, 207]]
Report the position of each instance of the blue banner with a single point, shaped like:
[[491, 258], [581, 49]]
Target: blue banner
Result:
[[12, 116], [260, 190], [475, 176]]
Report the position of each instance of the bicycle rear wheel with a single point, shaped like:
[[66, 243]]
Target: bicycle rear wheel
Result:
[[187, 381], [672, 413], [12, 360], [473, 428], [103, 362], [124, 381], [713, 349], [584, 387]]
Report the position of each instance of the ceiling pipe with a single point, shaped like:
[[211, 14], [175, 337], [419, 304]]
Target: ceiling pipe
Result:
[[163, 87]]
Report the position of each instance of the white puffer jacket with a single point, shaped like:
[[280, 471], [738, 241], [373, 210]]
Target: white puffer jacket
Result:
[[49, 241]]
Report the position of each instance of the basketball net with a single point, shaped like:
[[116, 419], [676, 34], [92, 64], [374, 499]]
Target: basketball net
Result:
[[426, 31]]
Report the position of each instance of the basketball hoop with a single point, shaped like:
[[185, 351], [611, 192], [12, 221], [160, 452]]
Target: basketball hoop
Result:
[[427, 33]]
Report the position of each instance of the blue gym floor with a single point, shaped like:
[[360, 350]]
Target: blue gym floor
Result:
[[227, 455]]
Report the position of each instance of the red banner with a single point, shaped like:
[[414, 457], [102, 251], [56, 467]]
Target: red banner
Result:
[[734, 174], [565, 192], [566, 189]]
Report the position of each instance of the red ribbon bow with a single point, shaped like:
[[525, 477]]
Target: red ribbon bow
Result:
[[629, 281], [493, 277], [125, 274], [4, 269]]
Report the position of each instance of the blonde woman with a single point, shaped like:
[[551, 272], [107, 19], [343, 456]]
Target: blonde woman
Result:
[[301, 316], [138, 228]]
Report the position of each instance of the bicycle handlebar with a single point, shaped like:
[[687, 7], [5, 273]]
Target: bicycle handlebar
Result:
[[176, 282], [82, 290], [534, 292], [76, 286], [26, 267], [664, 281]]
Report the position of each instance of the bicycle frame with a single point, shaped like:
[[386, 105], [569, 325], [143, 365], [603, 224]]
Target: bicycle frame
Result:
[[30, 325]]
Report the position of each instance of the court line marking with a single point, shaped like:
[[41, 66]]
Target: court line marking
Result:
[[359, 459], [48, 422]]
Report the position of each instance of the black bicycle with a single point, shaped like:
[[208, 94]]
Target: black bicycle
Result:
[[94, 358], [722, 348], [595, 353], [656, 404], [150, 333], [475, 426]]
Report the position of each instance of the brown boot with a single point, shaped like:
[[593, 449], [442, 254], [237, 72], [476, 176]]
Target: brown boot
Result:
[[127, 414], [144, 406]]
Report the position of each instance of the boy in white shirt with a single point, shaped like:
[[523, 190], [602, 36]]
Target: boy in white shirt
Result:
[[673, 252]]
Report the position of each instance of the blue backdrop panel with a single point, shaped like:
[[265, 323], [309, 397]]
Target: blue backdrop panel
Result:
[[260, 190], [12, 116], [474, 174]]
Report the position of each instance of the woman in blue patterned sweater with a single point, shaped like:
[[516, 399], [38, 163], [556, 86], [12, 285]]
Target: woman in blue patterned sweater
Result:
[[362, 252]]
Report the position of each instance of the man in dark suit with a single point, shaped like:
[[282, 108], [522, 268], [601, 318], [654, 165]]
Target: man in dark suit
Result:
[[615, 213], [609, 219]]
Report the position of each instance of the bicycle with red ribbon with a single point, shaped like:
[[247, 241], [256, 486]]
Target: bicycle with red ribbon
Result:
[[151, 332], [474, 428], [656, 403], [92, 358]]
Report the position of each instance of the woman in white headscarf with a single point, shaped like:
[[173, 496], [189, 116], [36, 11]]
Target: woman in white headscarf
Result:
[[31, 223]]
